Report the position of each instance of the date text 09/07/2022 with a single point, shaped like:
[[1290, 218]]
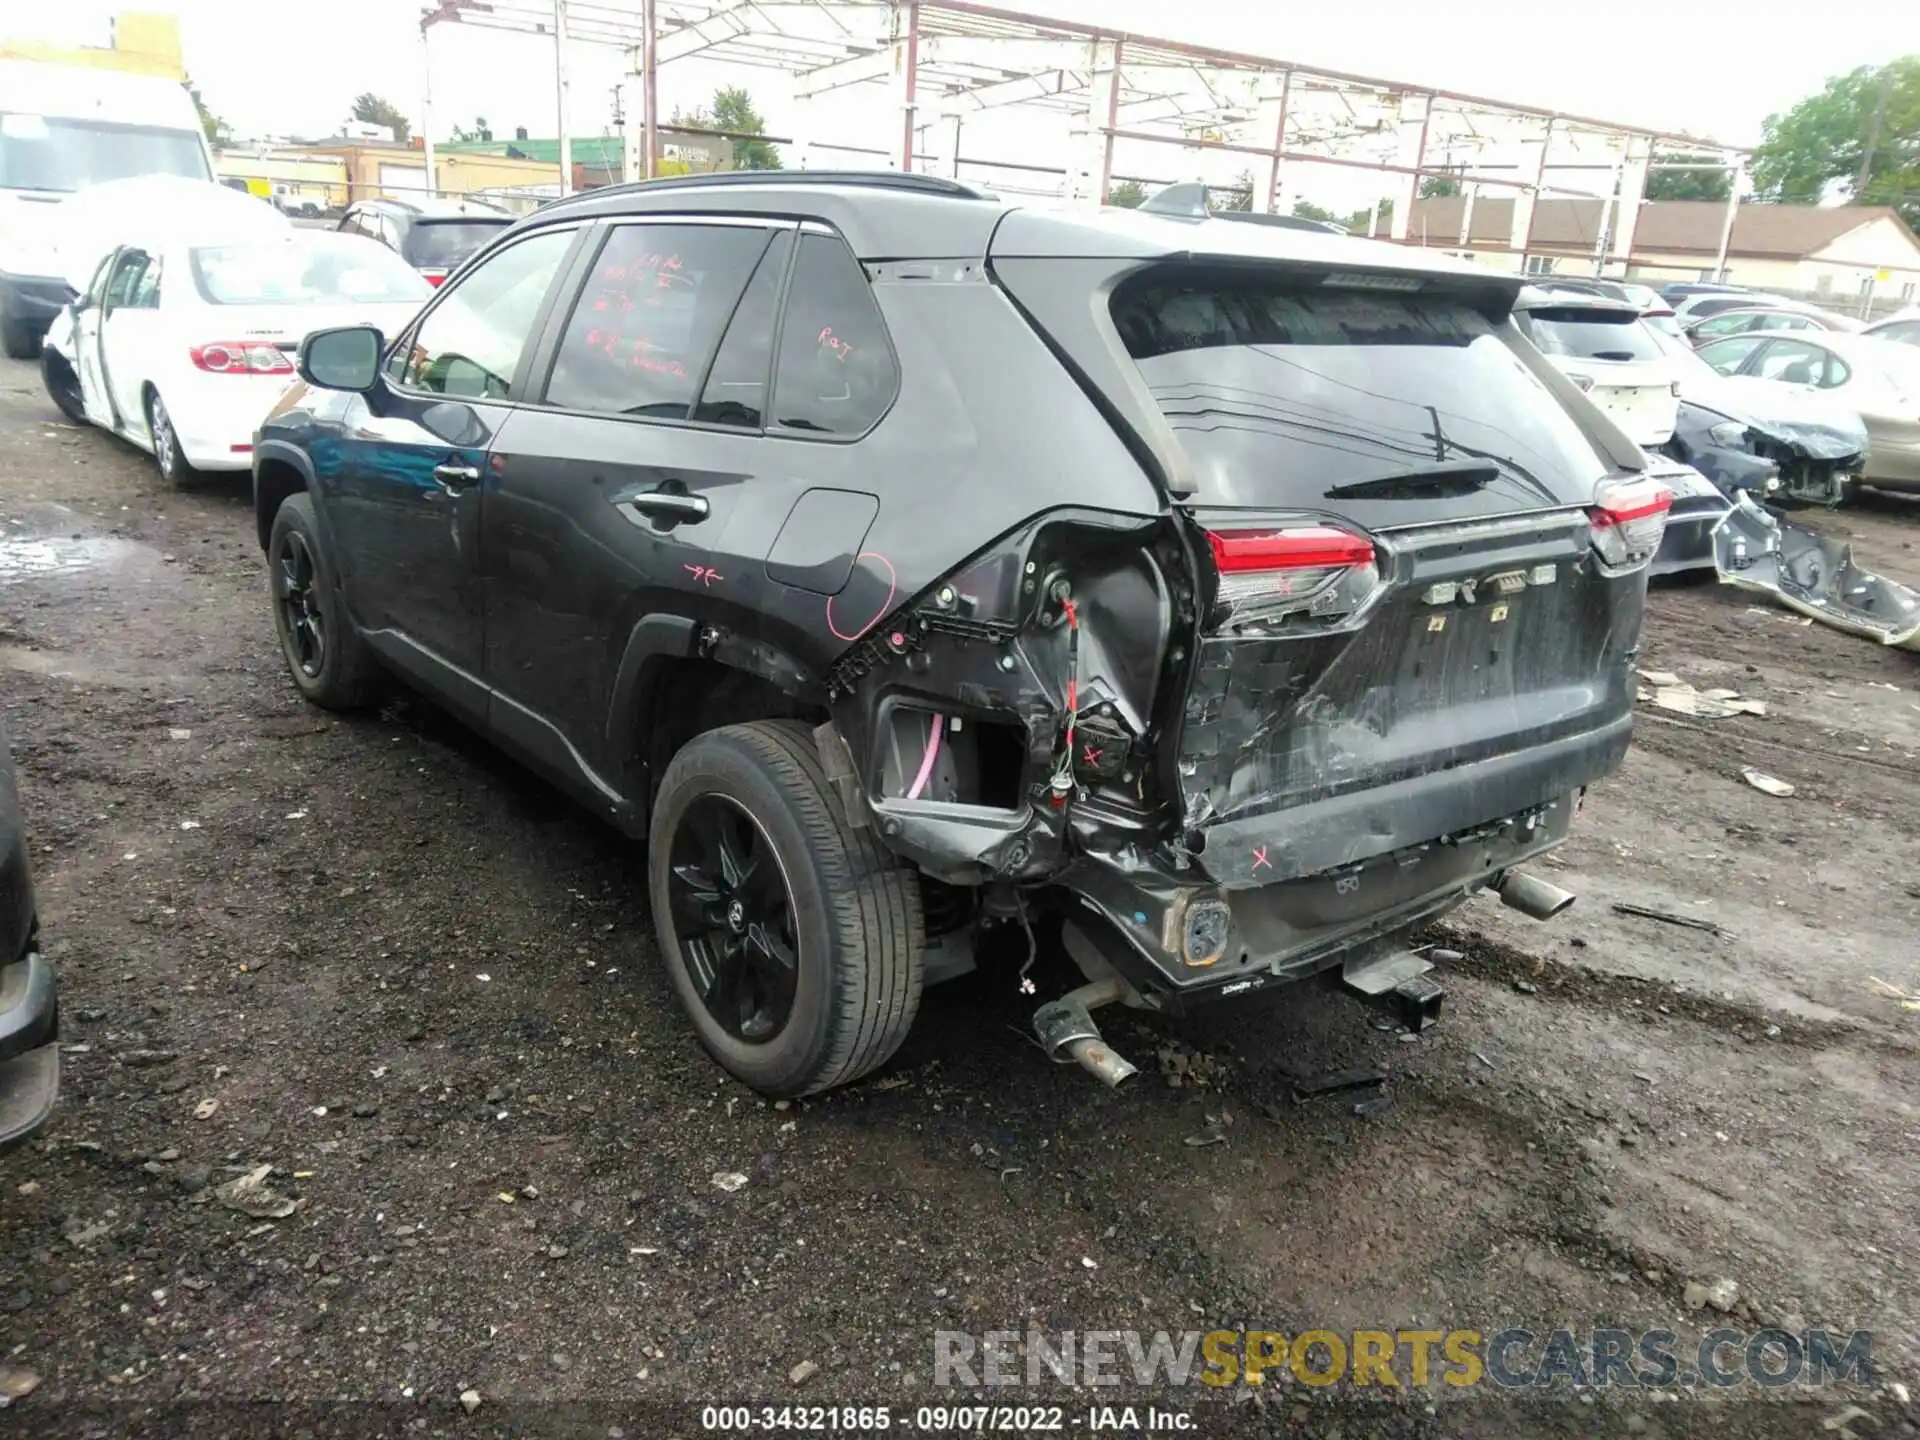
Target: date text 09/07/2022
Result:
[[937, 1419]]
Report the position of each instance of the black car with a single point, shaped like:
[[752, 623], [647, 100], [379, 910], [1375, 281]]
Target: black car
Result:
[[433, 237], [29, 1008], [895, 559]]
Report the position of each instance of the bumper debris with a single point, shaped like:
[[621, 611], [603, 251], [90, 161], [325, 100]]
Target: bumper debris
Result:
[[1814, 575]]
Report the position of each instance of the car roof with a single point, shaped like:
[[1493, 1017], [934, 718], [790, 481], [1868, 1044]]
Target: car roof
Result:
[[1544, 297], [1758, 310], [435, 209], [885, 215]]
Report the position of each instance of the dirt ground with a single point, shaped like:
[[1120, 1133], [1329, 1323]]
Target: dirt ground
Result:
[[421, 986]]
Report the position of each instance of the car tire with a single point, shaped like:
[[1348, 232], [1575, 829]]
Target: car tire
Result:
[[327, 657], [19, 339], [847, 954], [167, 454], [63, 386]]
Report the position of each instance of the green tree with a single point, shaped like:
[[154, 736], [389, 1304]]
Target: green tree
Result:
[[1127, 194], [732, 111], [1357, 222], [480, 131], [372, 109], [218, 131], [1864, 122], [1307, 210], [1689, 184], [1437, 187]]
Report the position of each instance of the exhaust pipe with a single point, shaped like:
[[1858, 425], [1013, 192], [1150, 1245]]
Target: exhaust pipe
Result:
[[1065, 1025], [1101, 1061], [1532, 896]]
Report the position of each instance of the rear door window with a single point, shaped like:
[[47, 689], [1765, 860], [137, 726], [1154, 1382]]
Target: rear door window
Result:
[[649, 318], [1285, 395], [836, 373], [736, 388]]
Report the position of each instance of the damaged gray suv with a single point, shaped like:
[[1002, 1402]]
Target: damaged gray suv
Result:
[[892, 558]]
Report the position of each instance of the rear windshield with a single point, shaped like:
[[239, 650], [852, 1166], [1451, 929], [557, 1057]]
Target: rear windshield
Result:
[[1581, 334], [315, 268], [443, 244], [1281, 394], [49, 153]]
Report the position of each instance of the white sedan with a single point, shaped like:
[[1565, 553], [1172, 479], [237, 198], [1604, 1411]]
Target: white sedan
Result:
[[182, 348]]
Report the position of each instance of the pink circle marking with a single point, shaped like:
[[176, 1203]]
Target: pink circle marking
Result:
[[893, 584]]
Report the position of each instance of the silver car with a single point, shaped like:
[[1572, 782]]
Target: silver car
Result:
[[1878, 378]]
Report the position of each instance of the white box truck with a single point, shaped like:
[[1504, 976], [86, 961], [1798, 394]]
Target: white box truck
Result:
[[63, 128]]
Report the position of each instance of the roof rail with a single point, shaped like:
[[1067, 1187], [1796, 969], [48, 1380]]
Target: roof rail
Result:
[[729, 179]]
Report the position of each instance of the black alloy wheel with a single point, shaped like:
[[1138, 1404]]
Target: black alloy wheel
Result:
[[732, 912], [303, 622]]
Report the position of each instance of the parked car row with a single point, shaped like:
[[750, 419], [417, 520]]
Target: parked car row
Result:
[[1803, 384]]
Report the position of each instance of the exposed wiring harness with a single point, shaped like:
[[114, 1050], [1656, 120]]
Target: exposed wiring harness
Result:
[[926, 760], [1061, 784]]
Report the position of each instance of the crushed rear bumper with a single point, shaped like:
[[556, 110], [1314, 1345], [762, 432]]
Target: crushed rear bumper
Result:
[[1307, 920]]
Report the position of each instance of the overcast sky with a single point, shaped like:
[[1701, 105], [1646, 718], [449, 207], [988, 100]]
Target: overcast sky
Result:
[[1703, 66]]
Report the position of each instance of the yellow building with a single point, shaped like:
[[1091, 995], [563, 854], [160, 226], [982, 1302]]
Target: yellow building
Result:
[[143, 43]]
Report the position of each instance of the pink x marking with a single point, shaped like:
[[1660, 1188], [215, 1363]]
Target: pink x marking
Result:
[[1091, 755], [1260, 858]]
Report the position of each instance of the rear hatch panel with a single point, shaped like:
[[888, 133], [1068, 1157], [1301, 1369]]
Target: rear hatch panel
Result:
[[1483, 668], [1489, 639]]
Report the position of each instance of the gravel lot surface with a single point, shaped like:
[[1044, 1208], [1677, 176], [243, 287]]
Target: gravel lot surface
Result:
[[421, 986]]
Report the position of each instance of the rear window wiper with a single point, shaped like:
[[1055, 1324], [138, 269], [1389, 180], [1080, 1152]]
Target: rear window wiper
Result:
[[1441, 480]]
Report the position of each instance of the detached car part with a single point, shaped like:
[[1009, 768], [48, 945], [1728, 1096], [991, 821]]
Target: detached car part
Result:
[[1814, 575]]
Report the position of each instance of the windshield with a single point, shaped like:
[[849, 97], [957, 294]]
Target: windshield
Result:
[[50, 153], [1686, 362], [1578, 333], [1281, 394], [443, 244], [317, 268]]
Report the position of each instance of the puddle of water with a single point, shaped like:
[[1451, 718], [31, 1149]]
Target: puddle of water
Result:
[[34, 559]]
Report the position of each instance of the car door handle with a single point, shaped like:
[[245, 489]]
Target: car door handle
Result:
[[455, 476], [687, 509]]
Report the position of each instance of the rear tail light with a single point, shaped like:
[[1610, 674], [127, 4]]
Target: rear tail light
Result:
[[238, 357], [1267, 575], [1629, 517], [433, 277]]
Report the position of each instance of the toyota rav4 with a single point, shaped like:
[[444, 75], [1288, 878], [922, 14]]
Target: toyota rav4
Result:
[[890, 557]]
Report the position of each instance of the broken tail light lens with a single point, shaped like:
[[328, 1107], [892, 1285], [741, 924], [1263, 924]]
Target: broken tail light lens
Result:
[[1267, 575], [237, 357], [1629, 517]]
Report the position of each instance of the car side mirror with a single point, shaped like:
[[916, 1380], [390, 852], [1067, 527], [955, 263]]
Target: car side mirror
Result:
[[347, 358]]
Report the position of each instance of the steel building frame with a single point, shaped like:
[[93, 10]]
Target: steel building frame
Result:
[[939, 63]]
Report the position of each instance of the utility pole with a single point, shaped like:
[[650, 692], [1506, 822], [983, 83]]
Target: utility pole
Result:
[[1873, 136]]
